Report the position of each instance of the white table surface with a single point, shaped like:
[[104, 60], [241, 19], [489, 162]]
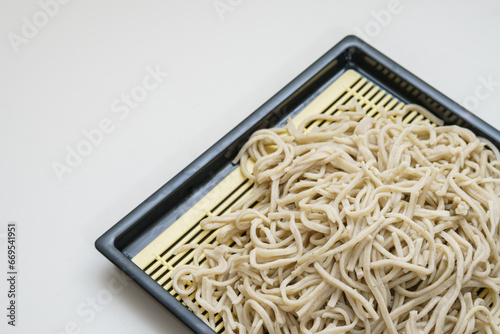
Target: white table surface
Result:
[[69, 74]]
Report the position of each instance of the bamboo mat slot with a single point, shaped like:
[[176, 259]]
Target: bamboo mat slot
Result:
[[157, 258]]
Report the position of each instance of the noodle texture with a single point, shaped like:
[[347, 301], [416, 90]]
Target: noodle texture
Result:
[[359, 225]]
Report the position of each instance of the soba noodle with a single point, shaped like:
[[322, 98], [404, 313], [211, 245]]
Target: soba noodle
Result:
[[361, 225]]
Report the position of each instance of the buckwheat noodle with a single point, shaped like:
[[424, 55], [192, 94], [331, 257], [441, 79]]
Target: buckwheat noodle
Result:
[[360, 225]]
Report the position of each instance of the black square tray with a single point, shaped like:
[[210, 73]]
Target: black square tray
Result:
[[140, 227]]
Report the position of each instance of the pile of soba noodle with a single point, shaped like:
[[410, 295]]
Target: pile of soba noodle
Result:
[[362, 225]]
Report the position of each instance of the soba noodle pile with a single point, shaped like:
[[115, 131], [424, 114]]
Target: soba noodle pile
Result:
[[362, 225]]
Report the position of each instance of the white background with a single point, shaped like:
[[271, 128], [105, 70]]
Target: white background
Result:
[[63, 79]]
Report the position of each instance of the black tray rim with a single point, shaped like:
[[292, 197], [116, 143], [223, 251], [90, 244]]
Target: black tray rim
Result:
[[107, 243]]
